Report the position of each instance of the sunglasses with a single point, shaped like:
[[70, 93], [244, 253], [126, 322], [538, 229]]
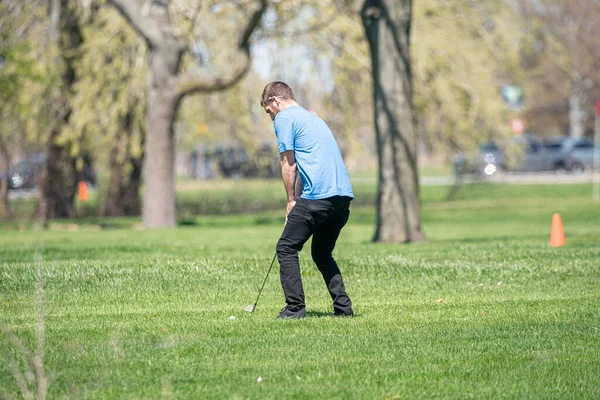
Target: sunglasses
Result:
[[269, 100]]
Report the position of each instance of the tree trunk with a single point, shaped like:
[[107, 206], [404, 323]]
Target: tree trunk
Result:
[[159, 177], [5, 212], [59, 185], [57, 195], [130, 192], [159, 163], [576, 114], [387, 27], [122, 195]]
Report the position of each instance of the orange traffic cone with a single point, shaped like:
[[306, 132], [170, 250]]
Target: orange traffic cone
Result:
[[83, 191], [557, 235]]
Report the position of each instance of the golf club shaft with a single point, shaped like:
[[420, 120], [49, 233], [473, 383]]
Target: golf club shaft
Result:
[[263, 284]]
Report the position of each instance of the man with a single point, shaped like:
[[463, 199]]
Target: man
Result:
[[318, 198]]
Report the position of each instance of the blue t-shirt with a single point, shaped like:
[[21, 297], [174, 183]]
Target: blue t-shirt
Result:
[[318, 158]]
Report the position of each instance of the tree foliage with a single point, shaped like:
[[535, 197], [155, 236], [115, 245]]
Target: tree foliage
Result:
[[562, 58], [109, 105], [25, 76], [111, 87], [25, 82], [462, 52], [170, 82], [319, 48]]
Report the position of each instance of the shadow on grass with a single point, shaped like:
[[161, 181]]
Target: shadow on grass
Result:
[[325, 314], [187, 222], [488, 239]]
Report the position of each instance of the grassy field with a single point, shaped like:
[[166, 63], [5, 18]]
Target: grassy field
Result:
[[225, 196], [484, 309]]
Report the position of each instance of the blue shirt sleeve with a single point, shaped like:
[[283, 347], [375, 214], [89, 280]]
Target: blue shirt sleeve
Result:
[[285, 134]]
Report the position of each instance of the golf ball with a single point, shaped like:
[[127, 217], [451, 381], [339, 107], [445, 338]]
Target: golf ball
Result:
[[232, 317]]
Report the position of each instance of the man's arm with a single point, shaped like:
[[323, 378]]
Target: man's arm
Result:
[[288, 174]]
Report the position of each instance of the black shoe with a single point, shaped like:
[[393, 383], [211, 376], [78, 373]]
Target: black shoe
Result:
[[340, 313], [288, 314]]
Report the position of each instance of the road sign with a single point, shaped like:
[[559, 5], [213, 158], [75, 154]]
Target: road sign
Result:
[[517, 125], [513, 96]]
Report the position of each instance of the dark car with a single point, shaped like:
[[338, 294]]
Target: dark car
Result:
[[236, 162]]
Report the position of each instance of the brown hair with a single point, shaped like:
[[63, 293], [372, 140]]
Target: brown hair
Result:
[[276, 89]]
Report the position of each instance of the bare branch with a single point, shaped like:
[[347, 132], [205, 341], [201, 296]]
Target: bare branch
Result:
[[351, 50], [132, 12], [42, 380], [194, 19], [280, 31], [20, 379], [40, 329], [253, 22], [190, 83]]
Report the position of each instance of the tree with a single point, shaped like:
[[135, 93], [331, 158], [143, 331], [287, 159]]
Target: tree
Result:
[[574, 23], [462, 53], [20, 85], [11, 74], [387, 27], [168, 85], [109, 106], [59, 184]]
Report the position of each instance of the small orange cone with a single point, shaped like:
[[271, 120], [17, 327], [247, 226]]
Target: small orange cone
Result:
[[557, 234], [83, 191]]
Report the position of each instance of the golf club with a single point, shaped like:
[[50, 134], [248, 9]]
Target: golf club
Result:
[[250, 308]]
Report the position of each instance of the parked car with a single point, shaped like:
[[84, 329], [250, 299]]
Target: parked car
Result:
[[533, 157], [563, 153], [485, 161], [571, 154], [491, 157], [27, 173], [581, 157]]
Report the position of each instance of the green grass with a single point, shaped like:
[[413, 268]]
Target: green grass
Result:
[[226, 196], [145, 314]]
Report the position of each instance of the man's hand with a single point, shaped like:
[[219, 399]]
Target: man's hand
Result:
[[290, 205]]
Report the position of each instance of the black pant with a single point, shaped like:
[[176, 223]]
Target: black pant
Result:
[[323, 219]]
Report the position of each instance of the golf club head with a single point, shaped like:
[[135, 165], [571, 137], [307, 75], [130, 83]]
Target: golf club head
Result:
[[249, 308]]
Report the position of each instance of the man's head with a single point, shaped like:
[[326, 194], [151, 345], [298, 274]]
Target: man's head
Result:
[[275, 97]]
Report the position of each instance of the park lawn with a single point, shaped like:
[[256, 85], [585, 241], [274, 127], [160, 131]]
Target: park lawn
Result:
[[484, 309]]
